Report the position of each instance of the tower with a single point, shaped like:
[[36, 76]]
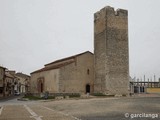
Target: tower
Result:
[[111, 51]]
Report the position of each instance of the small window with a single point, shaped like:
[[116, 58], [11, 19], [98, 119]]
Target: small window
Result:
[[1, 90], [88, 71]]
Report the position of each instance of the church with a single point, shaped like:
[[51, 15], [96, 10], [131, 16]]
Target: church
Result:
[[104, 71]]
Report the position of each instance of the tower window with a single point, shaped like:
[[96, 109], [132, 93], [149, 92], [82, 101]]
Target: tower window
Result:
[[88, 71]]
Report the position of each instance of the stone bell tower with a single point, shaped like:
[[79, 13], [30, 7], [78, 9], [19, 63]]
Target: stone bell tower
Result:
[[111, 51]]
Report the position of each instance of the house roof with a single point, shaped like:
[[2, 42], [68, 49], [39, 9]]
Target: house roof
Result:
[[59, 65], [52, 67], [7, 74], [22, 75], [2, 67]]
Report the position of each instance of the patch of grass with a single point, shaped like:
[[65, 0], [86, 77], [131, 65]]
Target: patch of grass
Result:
[[38, 98], [51, 97], [102, 95], [33, 97]]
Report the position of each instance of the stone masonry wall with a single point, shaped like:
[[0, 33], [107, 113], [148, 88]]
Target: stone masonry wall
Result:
[[51, 81], [111, 51], [75, 76]]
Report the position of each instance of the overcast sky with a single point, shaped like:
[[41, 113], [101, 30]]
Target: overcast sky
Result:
[[36, 32]]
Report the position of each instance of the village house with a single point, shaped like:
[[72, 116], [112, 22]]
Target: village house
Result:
[[12, 83], [8, 84], [20, 83], [73, 74], [2, 77], [23, 82]]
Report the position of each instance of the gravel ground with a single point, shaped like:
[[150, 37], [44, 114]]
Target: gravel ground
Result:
[[141, 107], [138, 107]]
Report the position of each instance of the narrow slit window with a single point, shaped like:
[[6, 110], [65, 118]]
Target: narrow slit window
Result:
[[88, 71]]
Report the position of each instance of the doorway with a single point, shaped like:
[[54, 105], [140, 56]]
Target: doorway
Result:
[[87, 88], [41, 88]]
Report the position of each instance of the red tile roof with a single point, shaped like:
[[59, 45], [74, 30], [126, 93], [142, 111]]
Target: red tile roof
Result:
[[52, 67], [67, 58], [59, 65]]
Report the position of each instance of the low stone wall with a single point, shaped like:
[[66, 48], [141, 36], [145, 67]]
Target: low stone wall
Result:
[[54, 94]]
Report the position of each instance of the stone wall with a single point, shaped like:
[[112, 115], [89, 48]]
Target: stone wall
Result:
[[68, 78], [2, 72], [74, 77], [50, 78], [111, 51]]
